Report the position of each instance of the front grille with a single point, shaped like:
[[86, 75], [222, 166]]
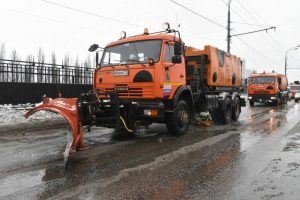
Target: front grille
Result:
[[130, 92]]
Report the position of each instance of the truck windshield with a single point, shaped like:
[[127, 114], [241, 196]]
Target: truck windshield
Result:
[[131, 53], [261, 80]]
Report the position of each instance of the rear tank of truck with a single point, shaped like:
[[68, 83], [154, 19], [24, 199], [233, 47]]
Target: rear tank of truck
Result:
[[221, 69], [283, 82]]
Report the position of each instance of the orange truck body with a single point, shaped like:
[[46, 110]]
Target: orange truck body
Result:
[[223, 70], [267, 87]]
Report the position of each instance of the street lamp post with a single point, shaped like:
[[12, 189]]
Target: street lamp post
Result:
[[228, 27], [285, 58]]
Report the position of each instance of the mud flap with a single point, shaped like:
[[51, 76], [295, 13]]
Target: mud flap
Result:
[[68, 108]]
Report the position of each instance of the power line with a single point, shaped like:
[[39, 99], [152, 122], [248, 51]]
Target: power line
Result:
[[265, 29], [207, 19], [246, 22], [249, 24], [90, 13], [255, 50], [50, 19], [256, 19]]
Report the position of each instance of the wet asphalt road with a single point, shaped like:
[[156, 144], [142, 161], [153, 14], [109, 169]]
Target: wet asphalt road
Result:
[[257, 157]]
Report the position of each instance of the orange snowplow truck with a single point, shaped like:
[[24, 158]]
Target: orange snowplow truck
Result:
[[154, 78], [267, 87]]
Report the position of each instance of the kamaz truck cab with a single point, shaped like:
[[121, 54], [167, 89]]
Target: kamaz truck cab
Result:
[[147, 72], [267, 87]]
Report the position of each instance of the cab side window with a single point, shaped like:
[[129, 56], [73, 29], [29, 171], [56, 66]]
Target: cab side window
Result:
[[169, 52]]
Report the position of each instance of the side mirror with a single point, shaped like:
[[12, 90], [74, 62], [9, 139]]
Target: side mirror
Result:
[[176, 59], [177, 48], [93, 47]]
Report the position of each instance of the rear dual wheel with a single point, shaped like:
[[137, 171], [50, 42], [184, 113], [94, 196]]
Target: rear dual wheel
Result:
[[231, 110], [226, 112], [236, 109]]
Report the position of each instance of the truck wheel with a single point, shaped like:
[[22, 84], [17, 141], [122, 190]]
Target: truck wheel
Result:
[[236, 109], [251, 103], [296, 100], [226, 112], [178, 122]]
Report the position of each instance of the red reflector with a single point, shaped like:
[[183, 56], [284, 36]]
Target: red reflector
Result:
[[154, 112]]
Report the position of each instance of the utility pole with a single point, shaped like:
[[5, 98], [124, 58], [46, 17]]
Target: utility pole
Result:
[[228, 27], [229, 36]]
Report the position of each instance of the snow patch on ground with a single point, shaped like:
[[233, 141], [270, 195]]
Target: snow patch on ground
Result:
[[12, 114]]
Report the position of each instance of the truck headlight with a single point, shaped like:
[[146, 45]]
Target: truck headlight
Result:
[[249, 97], [147, 112], [273, 98]]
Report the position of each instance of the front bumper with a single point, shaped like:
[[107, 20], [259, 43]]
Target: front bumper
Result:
[[262, 97], [150, 111]]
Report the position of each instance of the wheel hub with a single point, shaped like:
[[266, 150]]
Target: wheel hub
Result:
[[183, 117]]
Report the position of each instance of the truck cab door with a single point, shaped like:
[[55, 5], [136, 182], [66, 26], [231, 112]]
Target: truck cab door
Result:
[[174, 71]]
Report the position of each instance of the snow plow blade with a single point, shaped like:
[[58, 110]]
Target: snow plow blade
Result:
[[68, 108]]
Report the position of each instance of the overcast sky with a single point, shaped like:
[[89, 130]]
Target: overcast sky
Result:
[[27, 25]]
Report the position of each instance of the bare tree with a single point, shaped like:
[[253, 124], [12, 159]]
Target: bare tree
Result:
[[14, 55], [2, 51], [53, 58], [14, 76], [29, 69], [54, 69], [76, 74], [66, 64], [87, 62], [3, 68], [67, 60], [41, 56], [40, 67], [87, 74]]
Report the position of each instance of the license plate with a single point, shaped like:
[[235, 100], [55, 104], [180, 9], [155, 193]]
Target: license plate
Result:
[[121, 73], [121, 89]]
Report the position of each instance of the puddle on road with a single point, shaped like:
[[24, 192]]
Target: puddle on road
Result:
[[250, 130], [17, 183]]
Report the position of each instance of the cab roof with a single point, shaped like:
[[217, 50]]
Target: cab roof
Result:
[[159, 36]]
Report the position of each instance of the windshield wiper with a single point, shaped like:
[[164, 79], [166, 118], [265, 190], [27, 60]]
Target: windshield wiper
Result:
[[133, 60]]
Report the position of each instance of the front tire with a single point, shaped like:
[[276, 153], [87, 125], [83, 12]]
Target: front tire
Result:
[[178, 122]]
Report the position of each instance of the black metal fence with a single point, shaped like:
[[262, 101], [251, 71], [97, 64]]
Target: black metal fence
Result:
[[27, 82], [33, 72]]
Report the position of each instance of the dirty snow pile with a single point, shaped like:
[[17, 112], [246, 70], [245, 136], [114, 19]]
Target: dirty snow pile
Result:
[[11, 114]]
